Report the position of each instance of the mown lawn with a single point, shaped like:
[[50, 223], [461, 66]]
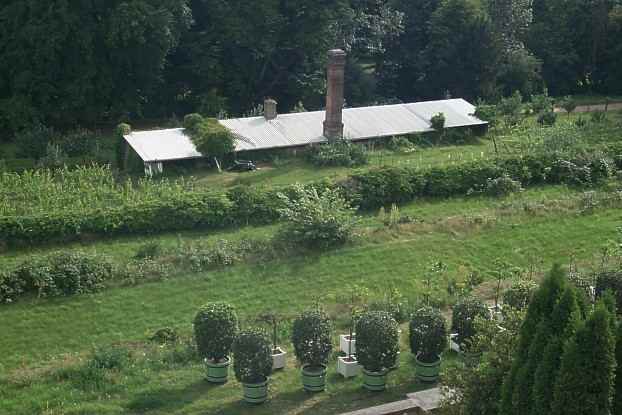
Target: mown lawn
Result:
[[45, 340]]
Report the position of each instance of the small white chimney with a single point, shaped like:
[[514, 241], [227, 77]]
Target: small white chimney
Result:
[[269, 109]]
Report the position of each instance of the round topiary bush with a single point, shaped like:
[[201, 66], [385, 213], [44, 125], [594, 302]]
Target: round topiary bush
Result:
[[377, 341], [311, 338], [428, 334], [215, 328], [252, 356], [463, 318]]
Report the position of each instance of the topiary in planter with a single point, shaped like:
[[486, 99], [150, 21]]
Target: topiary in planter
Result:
[[215, 328], [463, 319], [377, 345], [311, 336], [252, 364], [428, 339]]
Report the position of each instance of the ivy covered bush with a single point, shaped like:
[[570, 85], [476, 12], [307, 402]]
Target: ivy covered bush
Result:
[[316, 219], [519, 294], [56, 274], [502, 186], [377, 341], [252, 356], [463, 318], [339, 153], [311, 337], [428, 334], [215, 328]]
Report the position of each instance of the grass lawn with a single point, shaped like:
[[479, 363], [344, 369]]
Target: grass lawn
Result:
[[44, 342]]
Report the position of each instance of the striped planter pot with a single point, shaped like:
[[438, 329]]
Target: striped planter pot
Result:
[[217, 372], [374, 381], [255, 393], [314, 378], [428, 372]]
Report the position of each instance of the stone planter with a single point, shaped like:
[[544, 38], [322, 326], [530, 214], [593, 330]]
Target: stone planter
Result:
[[255, 393], [314, 378], [278, 358], [374, 381], [345, 342], [428, 372], [217, 372], [348, 368]]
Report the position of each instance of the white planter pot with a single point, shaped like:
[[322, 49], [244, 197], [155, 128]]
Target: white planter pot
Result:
[[345, 341], [278, 359], [453, 344], [348, 369]]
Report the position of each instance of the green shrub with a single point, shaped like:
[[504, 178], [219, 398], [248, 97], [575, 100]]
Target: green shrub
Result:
[[57, 274], [110, 358], [254, 205], [11, 287], [252, 357], [210, 137], [598, 116], [377, 341], [165, 335], [428, 334], [311, 337], [464, 314], [215, 328], [54, 157], [149, 250], [400, 144], [192, 122], [547, 118], [610, 280], [397, 308], [78, 143], [519, 294], [33, 143], [339, 153], [502, 186], [541, 103], [568, 103], [316, 219]]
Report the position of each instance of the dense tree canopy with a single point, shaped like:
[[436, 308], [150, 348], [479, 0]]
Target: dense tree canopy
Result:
[[86, 62]]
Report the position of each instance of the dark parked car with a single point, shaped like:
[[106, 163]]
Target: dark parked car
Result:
[[243, 165]]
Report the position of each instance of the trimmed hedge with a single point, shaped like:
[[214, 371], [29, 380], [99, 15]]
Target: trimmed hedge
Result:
[[244, 205]]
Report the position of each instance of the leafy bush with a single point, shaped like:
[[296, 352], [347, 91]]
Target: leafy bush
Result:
[[547, 118], [316, 219], [33, 143], [400, 144], [519, 294], [610, 280], [208, 136], [149, 250], [502, 186], [56, 274], [311, 337], [339, 153], [54, 157], [165, 335], [77, 143], [215, 328], [252, 356], [428, 334], [396, 307], [110, 358], [541, 103], [568, 103], [463, 318], [598, 116], [377, 341]]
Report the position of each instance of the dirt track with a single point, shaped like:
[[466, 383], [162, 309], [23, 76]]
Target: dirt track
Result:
[[613, 106]]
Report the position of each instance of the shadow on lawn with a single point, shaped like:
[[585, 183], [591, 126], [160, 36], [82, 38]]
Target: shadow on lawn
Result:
[[171, 400]]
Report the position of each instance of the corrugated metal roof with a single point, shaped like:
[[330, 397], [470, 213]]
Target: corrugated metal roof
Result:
[[298, 129]]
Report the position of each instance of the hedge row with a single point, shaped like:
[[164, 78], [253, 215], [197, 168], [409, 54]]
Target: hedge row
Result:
[[245, 205]]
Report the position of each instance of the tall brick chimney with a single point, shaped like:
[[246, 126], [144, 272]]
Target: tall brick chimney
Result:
[[333, 125]]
